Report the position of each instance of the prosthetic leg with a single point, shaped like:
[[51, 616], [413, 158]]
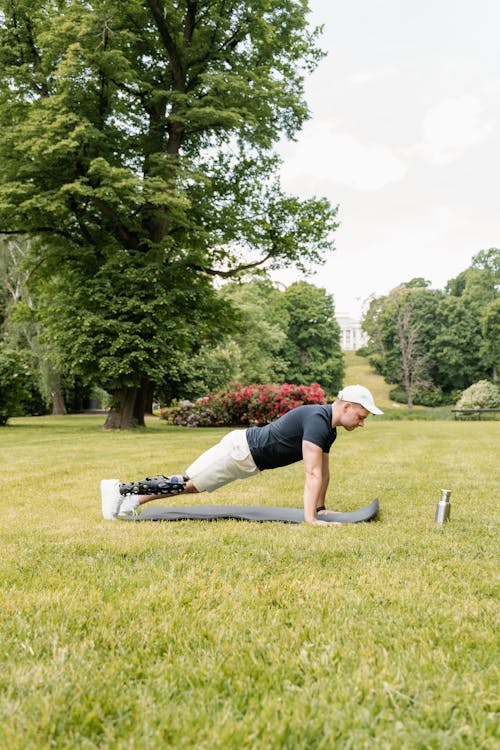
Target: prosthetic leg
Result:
[[155, 486]]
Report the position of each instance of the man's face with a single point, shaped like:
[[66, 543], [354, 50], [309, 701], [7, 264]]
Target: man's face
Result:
[[353, 415]]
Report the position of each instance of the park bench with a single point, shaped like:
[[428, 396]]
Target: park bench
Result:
[[473, 413]]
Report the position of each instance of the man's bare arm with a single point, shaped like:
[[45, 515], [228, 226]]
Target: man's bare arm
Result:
[[325, 479], [316, 482]]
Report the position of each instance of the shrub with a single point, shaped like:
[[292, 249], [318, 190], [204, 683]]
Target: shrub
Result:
[[430, 397], [398, 395], [480, 395], [377, 362], [255, 404]]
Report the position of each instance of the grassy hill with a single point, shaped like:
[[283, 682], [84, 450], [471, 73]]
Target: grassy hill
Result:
[[358, 370]]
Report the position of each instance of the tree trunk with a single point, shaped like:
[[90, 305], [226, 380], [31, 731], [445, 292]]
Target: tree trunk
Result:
[[406, 338], [121, 414], [409, 396], [406, 376], [143, 401], [57, 398]]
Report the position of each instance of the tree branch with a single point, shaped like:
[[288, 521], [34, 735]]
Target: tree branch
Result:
[[41, 230], [170, 46], [127, 237], [231, 272], [190, 24], [229, 44], [141, 95], [37, 61]]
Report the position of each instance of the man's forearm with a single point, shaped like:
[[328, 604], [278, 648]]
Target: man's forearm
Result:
[[313, 497], [322, 495], [321, 502]]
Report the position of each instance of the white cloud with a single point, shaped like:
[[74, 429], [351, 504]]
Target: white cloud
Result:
[[451, 126], [322, 153]]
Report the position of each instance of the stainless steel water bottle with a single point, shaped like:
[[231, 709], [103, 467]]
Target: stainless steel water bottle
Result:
[[443, 507]]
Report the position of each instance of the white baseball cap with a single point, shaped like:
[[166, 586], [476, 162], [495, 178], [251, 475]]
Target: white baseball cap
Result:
[[358, 394]]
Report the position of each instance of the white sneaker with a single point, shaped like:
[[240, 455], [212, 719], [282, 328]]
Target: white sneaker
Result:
[[111, 499], [128, 508]]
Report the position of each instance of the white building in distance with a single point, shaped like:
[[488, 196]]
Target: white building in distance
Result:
[[351, 335]]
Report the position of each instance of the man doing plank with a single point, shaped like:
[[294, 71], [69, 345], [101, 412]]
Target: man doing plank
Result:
[[304, 433]]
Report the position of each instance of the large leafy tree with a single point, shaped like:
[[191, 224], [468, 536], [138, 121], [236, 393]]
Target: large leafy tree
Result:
[[312, 350], [455, 350], [474, 297], [19, 330], [480, 283], [491, 337], [262, 332], [136, 148], [401, 325]]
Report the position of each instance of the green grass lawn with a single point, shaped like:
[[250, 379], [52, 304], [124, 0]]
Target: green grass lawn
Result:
[[239, 635]]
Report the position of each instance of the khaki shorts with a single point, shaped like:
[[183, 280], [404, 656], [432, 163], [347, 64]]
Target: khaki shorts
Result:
[[225, 462]]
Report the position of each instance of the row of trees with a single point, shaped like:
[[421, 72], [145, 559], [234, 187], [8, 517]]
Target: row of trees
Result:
[[29, 378], [278, 335], [137, 165], [269, 334], [435, 343]]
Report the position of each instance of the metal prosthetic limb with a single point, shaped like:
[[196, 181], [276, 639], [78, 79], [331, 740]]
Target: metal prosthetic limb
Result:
[[155, 486]]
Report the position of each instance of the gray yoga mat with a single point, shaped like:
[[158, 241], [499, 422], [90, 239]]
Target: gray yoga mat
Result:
[[250, 513]]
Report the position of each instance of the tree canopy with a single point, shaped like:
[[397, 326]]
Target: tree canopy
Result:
[[311, 349], [436, 343], [279, 335], [136, 150]]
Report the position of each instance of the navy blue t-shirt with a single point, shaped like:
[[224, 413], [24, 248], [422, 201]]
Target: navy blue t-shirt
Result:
[[280, 443]]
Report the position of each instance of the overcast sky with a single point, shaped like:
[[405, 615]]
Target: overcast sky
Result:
[[405, 137]]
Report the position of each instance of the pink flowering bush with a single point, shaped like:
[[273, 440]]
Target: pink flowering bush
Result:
[[244, 405]]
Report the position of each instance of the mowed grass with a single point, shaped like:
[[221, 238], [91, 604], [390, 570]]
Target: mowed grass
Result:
[[240, 635]]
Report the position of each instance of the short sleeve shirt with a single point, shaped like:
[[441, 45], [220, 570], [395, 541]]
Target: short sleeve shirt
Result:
[[280, 443]]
